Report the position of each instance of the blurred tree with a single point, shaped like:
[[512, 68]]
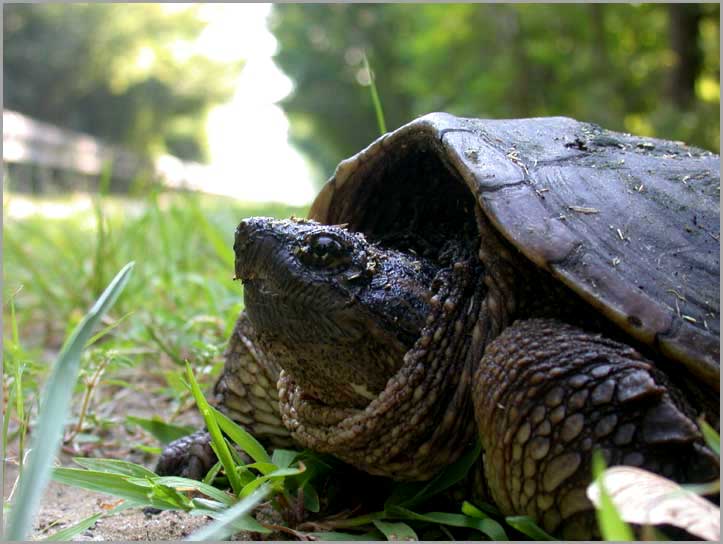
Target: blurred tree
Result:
[[117, 71], [684, 21], [606, 63]]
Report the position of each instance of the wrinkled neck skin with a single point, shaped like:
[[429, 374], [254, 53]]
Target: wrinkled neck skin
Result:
[[378, 347], [422, 420]]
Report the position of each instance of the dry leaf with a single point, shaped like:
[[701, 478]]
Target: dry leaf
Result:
[[645, 498]]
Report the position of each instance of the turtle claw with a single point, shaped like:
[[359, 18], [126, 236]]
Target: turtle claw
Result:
[[188, 457]]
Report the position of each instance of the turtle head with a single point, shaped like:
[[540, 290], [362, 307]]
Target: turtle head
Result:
[[335, 311]]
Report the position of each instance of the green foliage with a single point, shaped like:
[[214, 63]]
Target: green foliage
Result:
[[613, 64], [110, 70], [54, 409]]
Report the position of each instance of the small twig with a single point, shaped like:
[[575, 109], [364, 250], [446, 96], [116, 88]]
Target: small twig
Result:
[[90, 387], [583, 209]]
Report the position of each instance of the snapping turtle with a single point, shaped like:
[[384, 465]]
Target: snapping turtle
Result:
[[544, 285]]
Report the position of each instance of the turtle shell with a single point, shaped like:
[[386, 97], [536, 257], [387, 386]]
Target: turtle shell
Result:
[[630, 224]]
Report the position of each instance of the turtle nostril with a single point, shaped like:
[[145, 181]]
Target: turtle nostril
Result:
[[242, 235], [248, 231]]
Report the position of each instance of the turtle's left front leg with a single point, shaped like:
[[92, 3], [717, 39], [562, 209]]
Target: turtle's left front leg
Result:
[[547, 394]]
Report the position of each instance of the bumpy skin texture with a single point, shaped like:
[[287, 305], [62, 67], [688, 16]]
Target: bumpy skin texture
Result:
[[422, 420], [481, 287], [547, 393], [247, 389]]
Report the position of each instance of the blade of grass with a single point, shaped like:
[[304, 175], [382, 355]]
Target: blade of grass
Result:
[[612, 526], [395, 531], [105, 330], [487, 526], [164, 432], [54, 411], [20, 412], [276, 476], [344, 537], [409, 495], [358, 521], [146, 493], [211, 474], [375, 98], [114, 466], [186, 484], [711, 437], [224, 525], [283, 458], [527, 526], [217, 441], [74, 530], [242, 437]]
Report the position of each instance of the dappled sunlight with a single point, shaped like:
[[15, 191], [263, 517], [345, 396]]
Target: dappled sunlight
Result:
[[250, 155]]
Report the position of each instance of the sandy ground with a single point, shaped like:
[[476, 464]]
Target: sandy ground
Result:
[[64, 506]]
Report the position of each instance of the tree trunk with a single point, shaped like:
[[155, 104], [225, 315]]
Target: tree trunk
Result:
[[683, 26]]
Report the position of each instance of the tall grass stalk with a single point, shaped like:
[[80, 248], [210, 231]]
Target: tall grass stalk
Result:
[[375, 98], [54, 411]]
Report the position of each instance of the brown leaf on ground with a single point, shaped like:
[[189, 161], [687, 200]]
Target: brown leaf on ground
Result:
[[648, 499]]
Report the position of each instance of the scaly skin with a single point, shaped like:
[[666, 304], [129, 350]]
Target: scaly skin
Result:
[[547, 394], [423, 419], [247, 391], [396, 363]]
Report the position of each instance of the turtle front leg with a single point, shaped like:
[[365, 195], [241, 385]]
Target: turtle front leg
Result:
[[548, 394], [246, 392]]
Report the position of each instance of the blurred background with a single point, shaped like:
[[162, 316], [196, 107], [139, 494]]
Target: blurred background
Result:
[[271, 98]]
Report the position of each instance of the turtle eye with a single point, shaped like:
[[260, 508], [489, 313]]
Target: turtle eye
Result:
[[325, 251]]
